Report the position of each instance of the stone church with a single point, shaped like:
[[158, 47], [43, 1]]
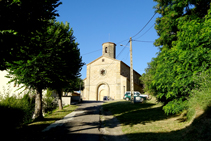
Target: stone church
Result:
[[107, 76]]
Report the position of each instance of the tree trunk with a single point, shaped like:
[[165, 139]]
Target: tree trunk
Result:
[[60, 99], [38, 104]]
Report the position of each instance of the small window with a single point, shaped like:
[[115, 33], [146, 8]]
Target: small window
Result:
[[106, 49], [103, 60]]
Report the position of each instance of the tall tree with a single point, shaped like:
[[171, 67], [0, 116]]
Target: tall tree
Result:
[[171, 11], [68, 57], [184, 43], [19, 20], [54, 64]]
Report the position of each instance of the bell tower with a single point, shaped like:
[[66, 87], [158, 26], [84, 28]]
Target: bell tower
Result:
[[109, 49]]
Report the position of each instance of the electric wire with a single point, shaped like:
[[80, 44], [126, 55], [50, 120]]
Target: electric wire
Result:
[[122, 49], [146, 31], [144, 41], [140, 30], [144, 26], [92, 52], [122, 41], [127, 55]]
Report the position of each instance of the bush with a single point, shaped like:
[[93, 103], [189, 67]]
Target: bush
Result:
[[49, 103], [175, 106], [16, 112]]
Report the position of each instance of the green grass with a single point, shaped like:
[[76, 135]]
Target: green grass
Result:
[[33, 130], [147, 121]]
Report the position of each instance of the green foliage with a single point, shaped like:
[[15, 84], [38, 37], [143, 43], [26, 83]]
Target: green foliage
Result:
[[184, 51], [19, 20], [54, 64], [76, 85], [171, 11], [200, 98], [49, 102], [146, 78], [16, 112], [175, 106]]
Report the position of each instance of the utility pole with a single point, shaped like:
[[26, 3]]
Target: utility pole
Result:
[[131, 72], [80, 87]]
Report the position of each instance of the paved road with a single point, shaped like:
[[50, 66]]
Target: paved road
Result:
[[81, 125]]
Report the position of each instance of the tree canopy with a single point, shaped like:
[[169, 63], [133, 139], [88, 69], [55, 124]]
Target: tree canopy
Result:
[[54, 64], [184, 40], [171, 12], [19, 20], [75, 85]]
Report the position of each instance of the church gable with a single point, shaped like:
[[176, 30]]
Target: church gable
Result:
[[103, 60], [103, 69]]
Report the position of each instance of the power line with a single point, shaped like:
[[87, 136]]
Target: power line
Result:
[[144, 41], [123, 41], [144, 26], [122, 49], [127, 55], [140, 30], [92, 52], [146, 31]]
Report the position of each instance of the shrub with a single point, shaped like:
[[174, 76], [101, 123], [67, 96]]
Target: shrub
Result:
[[16, 111], [49, 103], [175, 106]]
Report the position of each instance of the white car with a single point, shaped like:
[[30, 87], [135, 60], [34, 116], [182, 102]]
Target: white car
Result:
[[127, 95]]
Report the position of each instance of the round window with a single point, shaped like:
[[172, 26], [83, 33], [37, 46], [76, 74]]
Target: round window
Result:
[[102, 71]]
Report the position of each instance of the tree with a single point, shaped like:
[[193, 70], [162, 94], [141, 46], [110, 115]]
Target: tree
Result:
[[75, 85], [184, 50], [54, 64], [146, 78], [70, 62], [171, 11], [19, 20]]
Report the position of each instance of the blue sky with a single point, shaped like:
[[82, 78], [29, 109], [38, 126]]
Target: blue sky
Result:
[[95, 22]]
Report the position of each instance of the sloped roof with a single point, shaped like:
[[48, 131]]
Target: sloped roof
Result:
[[102, 57], [129, 67]]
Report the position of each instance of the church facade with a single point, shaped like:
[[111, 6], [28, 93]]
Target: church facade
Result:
[[107, 76]]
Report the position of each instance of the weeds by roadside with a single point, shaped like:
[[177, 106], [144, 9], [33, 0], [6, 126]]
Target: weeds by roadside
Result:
[[15, 111], [18, 110], [147, 121], [200, 98], [33, 131]]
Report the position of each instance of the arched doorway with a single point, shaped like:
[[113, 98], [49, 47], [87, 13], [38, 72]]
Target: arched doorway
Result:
[[102, 90], [102, 94]]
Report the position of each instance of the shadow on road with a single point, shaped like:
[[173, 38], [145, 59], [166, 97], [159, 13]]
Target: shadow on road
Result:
[[198, 130]]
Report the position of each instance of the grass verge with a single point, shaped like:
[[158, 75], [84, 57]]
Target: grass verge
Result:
[[147, 121], [33, 130]]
